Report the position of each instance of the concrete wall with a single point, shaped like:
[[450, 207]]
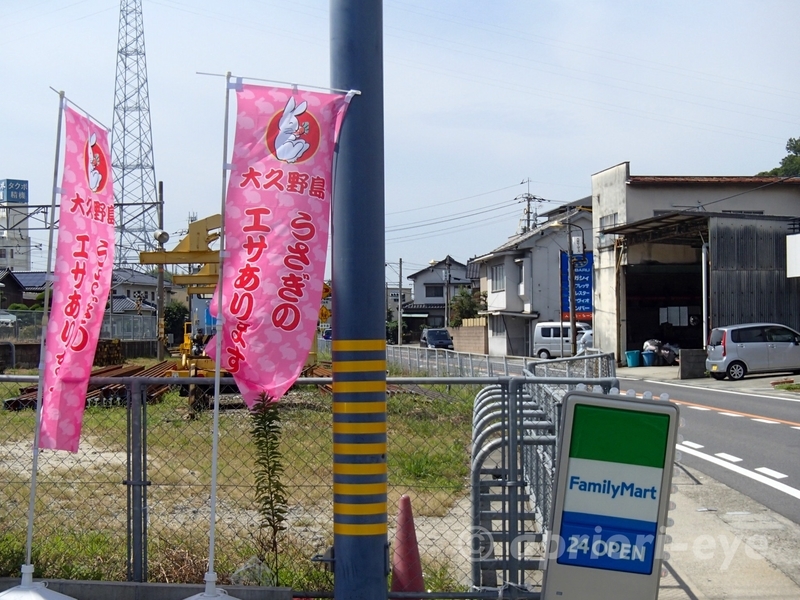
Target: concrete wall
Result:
[[471, 337]]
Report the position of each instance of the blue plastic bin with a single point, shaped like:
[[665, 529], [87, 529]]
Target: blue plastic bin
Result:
[[648, 358], [632, 357]]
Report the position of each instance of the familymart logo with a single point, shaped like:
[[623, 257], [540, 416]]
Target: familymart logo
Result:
[[607, 486]]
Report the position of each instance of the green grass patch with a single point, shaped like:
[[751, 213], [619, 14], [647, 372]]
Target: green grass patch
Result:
[[789, 387], [81, 502]]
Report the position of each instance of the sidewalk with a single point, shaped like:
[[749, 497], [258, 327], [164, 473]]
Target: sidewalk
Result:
[[751, 384], [724, 544]]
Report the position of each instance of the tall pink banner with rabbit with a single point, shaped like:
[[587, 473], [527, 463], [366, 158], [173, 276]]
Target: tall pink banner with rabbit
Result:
[[81, 282], [277, 213]]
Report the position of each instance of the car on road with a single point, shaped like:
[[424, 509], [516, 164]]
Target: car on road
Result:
[[327, 334], [7, 319], [436, 338], [734, 351], [551, 338]]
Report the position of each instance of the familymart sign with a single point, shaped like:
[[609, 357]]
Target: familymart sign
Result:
[[612, 497]]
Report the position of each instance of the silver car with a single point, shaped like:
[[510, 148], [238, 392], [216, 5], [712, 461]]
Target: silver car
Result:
[[736, 350]]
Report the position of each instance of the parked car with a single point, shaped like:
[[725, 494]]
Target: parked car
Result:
[[7, 319], [736, 350], [551, 338], [327, 334], [436, 338]]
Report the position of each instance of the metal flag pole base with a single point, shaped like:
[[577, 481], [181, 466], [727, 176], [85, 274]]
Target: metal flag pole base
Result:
[[28, 590], [211, 590]]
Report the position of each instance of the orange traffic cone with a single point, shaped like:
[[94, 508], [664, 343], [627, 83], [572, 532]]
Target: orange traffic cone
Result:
[[406, 566]]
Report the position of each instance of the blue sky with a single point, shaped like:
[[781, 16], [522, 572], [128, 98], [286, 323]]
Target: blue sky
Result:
[[479, 96]]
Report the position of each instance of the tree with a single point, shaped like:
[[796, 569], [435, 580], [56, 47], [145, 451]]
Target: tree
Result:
[[465, 305], [790, 164], [175, 315]]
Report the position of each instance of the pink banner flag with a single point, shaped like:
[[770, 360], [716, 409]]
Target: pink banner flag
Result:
[[277, 213], [81, 280]]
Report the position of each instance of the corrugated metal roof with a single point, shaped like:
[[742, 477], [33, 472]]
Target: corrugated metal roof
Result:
[[124, 304], [679, 227]]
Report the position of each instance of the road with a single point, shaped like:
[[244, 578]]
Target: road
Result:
[[748, 442]]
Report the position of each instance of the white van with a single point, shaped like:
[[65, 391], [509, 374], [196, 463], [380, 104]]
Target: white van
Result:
[[550, 337]]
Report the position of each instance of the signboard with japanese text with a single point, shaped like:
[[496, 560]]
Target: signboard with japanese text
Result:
[[277, 214], [14, 190], [612, 497], [81, 280], [583, 286]]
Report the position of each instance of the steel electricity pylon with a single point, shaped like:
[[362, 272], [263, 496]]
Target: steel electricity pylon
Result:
[[135, 194]]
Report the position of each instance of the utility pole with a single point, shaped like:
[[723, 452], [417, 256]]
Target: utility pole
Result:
[[160, 294], [360, 480], [447, 293], [400, 307], [571, 264]]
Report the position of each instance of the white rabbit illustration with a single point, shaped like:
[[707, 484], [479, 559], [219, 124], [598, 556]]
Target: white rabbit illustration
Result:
[[95, 178], [288, 144]]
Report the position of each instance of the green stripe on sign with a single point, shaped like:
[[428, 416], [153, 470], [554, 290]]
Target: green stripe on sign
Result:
[[619, 435]]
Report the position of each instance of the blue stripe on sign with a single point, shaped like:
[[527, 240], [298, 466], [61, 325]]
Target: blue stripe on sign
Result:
[[606, 521], [609, 543]]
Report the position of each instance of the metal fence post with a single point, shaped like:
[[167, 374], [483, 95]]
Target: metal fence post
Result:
[[137, 569]]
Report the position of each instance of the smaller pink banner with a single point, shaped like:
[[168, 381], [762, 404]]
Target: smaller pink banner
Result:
[[277, 214], [82, 280]]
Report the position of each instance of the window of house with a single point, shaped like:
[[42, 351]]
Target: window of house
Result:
[[12, 253], [152, 296], [128, 293], [498, 278], [434, 291], [606, 222], [498, 325], [2, 252]]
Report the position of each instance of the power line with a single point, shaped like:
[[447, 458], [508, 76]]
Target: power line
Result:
[[508, 187], [454, 217]]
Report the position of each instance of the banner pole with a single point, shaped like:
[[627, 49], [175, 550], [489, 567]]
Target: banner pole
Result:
[[211, 576], [45, 318]]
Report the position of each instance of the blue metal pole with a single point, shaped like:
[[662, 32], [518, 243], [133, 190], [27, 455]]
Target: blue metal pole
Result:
[[361, 555]]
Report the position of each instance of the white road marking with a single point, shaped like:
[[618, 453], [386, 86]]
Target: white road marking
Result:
[[728, 457], [699, 408], [781, 487], [727, 414], [714, 389], [771, 473], [765, 421], [795, 427], [693, 445]]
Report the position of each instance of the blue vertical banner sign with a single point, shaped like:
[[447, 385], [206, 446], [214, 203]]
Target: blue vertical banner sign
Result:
[[583, 286]]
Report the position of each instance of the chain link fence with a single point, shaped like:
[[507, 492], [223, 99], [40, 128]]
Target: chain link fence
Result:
[[82, 511], [26, 326], [86, 520]]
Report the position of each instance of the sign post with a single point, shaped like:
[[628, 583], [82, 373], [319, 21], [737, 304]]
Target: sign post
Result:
[[612, 496]]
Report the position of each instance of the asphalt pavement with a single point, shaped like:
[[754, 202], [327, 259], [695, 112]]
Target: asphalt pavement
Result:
[[725, 543]]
